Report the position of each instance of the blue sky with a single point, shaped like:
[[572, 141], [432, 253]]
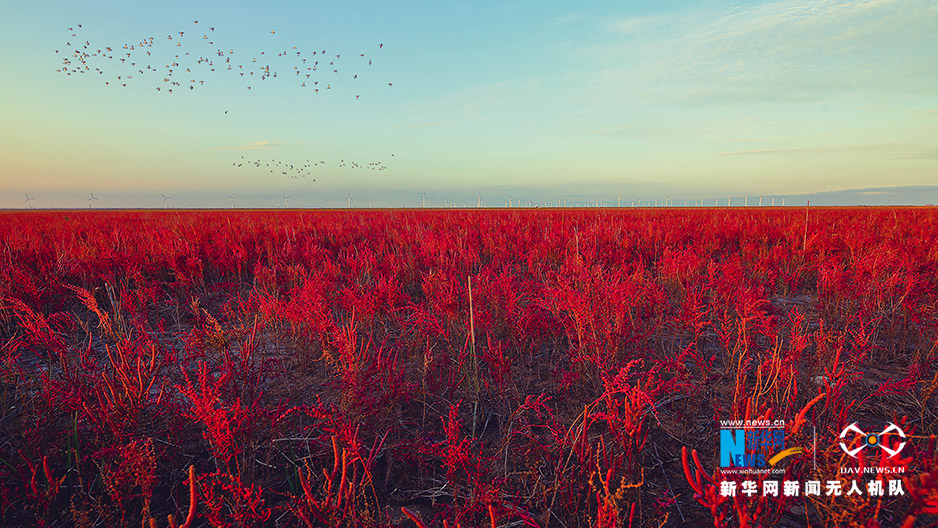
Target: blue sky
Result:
[[537, 101]]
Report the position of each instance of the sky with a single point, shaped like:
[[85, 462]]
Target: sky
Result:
[[536, 102]]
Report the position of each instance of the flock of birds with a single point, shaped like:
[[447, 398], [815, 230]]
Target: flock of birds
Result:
[[193, 57], [295, 170], [187, 60]]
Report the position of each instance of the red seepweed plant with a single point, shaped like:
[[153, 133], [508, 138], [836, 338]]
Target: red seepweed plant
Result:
[[327, 368]]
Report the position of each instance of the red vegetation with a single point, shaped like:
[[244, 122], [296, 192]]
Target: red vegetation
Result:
[[457, 368]]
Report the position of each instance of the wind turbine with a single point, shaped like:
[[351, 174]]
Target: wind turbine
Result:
[[286, 201], [91, 201], [369, 202], [349, 200], [29, 199], [232, 198], [423, 200], [165, 199]]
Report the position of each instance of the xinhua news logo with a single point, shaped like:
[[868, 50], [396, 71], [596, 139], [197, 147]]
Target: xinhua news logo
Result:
[[753, 446]]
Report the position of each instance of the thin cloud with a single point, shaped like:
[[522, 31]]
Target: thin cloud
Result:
[[781, 51], [929, 154], [878, 147], [253, 145]]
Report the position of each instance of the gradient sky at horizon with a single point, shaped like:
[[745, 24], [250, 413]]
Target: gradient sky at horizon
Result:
[[533, 99]]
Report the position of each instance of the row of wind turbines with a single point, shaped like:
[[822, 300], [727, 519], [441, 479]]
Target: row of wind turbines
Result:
[[667, 202], [286, 201], [92, 199], [510, 203]]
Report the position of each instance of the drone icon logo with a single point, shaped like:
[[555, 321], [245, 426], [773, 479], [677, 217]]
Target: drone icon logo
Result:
[[871, 439]]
